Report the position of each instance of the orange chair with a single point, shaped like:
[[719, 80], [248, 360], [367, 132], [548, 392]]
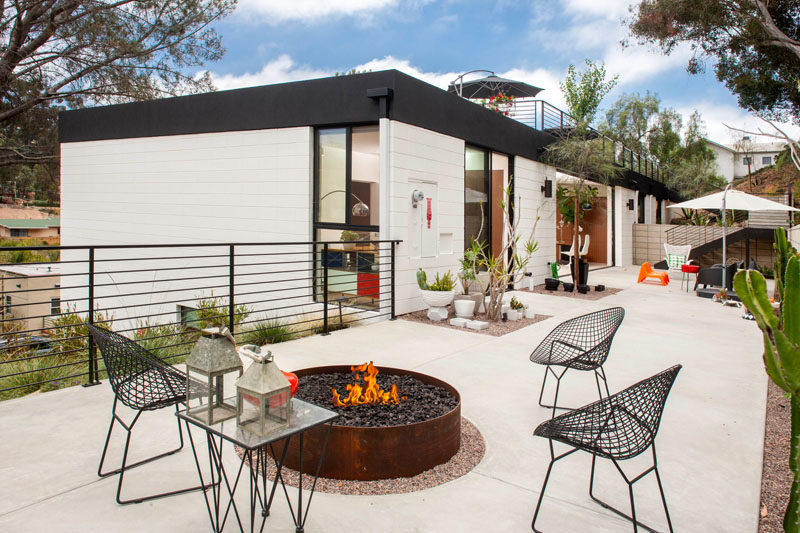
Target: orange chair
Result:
[[647, 272]]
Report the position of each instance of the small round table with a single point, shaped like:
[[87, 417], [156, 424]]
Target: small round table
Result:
[[687, 270]]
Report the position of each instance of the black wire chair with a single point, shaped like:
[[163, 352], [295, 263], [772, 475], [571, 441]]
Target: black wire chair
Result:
[[619, 427], [582, 343], [143, 382]]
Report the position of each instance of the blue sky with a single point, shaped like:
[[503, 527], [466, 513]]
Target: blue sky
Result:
[[271, 41]]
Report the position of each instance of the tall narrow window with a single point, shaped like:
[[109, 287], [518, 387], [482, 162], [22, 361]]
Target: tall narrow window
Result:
[[477, 215], [347, 213]]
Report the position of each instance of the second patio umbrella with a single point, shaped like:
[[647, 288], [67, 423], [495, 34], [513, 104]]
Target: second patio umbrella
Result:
[[735, 200]]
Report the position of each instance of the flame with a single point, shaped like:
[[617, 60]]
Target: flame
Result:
[[370, 392]]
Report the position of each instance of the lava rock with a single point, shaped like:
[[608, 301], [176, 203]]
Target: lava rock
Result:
[[422, 401]]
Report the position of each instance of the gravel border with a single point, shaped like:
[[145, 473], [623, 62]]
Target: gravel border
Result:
[[468, 456], [776, 478], [591, 295], [496, 329]]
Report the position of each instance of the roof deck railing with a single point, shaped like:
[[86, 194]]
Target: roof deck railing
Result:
[[543, 116]]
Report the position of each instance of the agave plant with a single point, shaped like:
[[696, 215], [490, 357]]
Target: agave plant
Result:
[[781, 355]]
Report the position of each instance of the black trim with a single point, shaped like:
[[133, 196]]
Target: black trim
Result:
[[354, 99]]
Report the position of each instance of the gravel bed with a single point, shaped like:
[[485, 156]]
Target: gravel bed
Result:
[[776, 478], [468, 456], [591, 295], [496, 329], [422, 401]]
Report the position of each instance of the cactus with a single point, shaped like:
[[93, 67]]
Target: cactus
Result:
[[781, 354], [783, 251], [422, 280]]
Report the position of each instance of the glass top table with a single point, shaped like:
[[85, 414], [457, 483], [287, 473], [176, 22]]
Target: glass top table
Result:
[[256, 451], [303, 416]]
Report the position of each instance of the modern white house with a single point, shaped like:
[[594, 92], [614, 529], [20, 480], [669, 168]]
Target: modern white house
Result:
[[736, 160], [382, 155]]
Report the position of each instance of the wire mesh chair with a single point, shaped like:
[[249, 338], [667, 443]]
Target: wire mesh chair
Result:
[[142, 382], [582, 343], [619, 427]]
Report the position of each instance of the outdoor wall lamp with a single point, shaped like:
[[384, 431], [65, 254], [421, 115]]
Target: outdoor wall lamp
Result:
[[630, 204], [360, 209], [547, 188], [416, 197]]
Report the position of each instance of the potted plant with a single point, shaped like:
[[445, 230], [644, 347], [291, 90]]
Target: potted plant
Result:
[[529, 311], [436, 295], [469, 279], [349, 239], [515, 309]]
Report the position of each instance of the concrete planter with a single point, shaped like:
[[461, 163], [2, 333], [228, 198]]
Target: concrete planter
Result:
[[465, 307], [529, 312], [476, 297], [513, 315]]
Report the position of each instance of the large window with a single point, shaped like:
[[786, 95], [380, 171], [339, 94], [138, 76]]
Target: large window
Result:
[[347, 212]]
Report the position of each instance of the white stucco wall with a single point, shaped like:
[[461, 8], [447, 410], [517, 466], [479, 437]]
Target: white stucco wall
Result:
[[529, 179], [623, 226], [724, 161], [417, 155]]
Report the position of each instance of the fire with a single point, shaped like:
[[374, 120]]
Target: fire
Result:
[[369, 391]]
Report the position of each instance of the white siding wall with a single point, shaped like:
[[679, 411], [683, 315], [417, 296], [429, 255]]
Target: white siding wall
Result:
[[651, 204], [724, 161], [249, 186], [624, 219], [417, 154], [529, 178], [252, 186]]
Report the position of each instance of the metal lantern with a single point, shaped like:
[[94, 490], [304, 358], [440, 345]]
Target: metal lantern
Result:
[[263, 396], [213, 357]]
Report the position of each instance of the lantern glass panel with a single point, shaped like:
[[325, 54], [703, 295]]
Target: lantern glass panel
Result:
[[206, 399], [263, 413]]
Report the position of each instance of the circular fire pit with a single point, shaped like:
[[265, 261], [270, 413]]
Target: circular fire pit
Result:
[[372, 453]]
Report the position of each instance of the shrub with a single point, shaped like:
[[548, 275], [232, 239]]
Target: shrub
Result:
[[270, 331], [213, 313]]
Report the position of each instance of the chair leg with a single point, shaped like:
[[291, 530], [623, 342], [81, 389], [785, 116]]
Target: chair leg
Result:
[[553, 459], [599, 374], [124, 466], [630, 482], [558, 377]]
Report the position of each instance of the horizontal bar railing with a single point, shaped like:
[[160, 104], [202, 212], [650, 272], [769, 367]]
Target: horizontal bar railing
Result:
[[161, 295], [543, 116]]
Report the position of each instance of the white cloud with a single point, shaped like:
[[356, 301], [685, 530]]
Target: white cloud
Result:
[[279, 70], [609, 9], [439, 79], [637, 63], [715, 116], [279, 11]]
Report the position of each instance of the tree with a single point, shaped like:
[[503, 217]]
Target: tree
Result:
[[630, 120], [579, 151], [70, 52], [753, 44]]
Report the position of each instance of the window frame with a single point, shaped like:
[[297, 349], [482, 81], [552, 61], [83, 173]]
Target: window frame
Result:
[[55, 304], [347, 225], [766, 160]]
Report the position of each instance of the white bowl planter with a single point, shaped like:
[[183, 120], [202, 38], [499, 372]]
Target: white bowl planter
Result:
[[437, 298], [513, 315]]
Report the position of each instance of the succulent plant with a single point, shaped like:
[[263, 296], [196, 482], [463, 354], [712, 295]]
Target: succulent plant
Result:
[[781, 352], [783, 251], [422, 280]]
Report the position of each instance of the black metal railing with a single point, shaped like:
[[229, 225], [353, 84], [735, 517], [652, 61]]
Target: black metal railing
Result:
[[162, 295], [543, 116]]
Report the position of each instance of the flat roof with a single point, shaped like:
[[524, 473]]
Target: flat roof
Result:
[[40, 269], [30, 223]]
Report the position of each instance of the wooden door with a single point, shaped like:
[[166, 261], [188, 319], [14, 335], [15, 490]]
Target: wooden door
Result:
[[594, 224]]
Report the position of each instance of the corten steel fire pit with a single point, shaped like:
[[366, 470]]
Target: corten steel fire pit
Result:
[[372, 453]]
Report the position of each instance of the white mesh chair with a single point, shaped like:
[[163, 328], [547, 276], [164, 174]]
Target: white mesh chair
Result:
[[677, 255]]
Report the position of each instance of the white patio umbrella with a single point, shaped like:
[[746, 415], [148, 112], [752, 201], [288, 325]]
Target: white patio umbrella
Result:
[[735, 200]]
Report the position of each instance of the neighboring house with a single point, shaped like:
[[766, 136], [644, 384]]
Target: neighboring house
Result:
[[272, 163], [30, 295], [30, 227], [732, 160]]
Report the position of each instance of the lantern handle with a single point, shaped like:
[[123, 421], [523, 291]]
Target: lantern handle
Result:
[[254, 352]]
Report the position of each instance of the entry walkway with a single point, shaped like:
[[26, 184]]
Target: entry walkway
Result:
[[709, 445]]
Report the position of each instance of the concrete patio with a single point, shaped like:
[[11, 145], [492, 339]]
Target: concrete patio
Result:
[[709, 445]]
